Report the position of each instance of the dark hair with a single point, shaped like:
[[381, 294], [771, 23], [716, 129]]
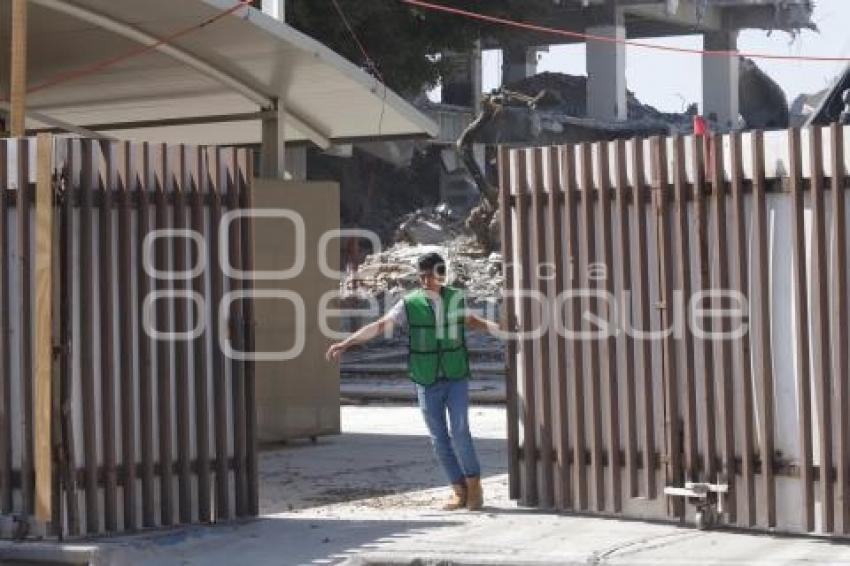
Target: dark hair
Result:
[[431, 263]]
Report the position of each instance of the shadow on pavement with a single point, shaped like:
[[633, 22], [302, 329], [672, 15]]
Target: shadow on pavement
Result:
[[263, 541]]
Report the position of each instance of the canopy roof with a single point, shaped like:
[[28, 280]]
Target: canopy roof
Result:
[[210, 85]]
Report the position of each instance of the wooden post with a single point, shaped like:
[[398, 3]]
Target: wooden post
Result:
[[803, 366], [5, 62], [18, 78], [43, 329], [510, 308]]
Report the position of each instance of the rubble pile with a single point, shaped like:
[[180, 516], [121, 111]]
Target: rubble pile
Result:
[[551, 108], [392, 271], [568, 94], [431, 225]]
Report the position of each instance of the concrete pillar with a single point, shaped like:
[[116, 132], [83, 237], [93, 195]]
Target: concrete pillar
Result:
[[720, 75], [518, 62], [606, 72], [462, 80], [295, 163], [272, 155], [476, 76], [275, 8]]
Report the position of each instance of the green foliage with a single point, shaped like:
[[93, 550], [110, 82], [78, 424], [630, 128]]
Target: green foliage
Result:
[[401, 40]]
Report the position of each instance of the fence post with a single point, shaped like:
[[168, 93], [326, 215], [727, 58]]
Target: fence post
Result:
[[43, 329], [18, 69]]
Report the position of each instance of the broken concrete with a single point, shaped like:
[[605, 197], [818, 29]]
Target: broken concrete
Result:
[[763, 103], [391, 272], [559, 112], [832, 105]]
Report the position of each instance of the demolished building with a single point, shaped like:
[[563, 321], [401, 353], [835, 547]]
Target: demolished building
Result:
[[565, 108], [833, 104]]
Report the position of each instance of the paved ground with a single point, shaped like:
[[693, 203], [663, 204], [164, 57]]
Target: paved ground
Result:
[[370, 496]]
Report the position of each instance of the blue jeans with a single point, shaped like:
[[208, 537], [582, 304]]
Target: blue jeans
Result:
[[454, 450]]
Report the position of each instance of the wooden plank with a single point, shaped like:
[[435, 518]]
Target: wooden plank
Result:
[[24, 206], [6, 60], [67, 458], [642, 320], [56, 526], [744, 378], [145, 342], [107, 359], [236, 327], [560, 409], [163, 347], [18, 69], [576, 350], [5, 343], [223, 509], [670, 371], [509, 322], [54, 523], [609, 344], [624, 254], [820, 327], [590, 304], [246, 202], [181, 353], [88, 184], [43, 386], [529, 493], [764, 357], [705, 370], [202, 439], [804, 401], [127, 182], [721, 281], [838, 306], [542, 373], [681, 258]]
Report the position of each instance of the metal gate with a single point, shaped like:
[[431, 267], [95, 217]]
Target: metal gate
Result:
[[118, 408], [682, 313]]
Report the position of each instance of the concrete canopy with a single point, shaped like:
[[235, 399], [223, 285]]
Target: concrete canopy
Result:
[[210, 86]]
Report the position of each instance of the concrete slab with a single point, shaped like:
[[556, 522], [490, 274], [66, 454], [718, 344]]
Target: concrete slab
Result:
[[371, 496]]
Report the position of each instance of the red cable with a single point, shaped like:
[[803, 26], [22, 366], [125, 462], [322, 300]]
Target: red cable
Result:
[[592, 37], [369, 61], [100, 65]]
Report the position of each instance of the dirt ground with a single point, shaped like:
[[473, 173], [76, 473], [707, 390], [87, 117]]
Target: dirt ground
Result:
[[382, 461]]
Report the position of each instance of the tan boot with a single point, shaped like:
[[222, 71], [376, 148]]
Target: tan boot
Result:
[[474, 495], [458, 500]]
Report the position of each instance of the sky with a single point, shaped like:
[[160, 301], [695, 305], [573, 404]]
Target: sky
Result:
[[669, 80]]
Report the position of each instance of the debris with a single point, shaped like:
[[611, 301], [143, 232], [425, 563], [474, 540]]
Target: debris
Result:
[[551, 108], [832, 104], [484, 224], [763, 103], [392, 271], [429, 226]]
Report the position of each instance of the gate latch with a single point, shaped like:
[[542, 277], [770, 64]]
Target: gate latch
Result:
[[708, 498]]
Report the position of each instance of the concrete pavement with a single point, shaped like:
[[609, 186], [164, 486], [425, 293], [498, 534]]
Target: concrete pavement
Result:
[[371, 496]]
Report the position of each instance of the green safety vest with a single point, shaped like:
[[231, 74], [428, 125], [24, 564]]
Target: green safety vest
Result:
[[433, 354]]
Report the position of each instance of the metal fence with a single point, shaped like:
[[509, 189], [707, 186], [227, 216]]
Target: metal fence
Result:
[[618, 239], [118, 407]]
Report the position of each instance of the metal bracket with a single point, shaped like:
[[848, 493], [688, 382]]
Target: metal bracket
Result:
[[706, 496]]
